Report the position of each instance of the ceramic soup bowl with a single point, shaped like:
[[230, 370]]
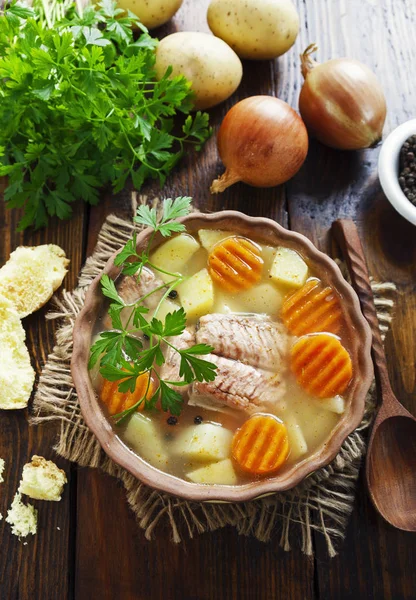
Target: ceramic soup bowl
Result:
[[264, 231]]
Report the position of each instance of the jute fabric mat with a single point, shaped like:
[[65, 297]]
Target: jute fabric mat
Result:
[[322, 503]]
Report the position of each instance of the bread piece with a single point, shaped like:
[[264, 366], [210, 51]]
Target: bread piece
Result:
[[22, 517], [42, 480], [1, 469], [16, 373], [31, 275]]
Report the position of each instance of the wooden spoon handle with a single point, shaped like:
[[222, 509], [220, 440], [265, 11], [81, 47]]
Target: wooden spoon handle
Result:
[[346, 234]]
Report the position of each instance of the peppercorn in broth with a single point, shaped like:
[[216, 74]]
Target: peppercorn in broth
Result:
[[274, 330]]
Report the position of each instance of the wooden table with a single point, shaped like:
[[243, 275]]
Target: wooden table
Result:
[[88, 546]]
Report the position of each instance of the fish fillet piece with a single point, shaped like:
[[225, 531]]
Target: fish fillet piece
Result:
[[238, 386], [256, 341], [170, 369], [131, 290]]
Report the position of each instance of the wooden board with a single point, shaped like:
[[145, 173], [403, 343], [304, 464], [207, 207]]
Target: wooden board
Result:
[[98, 552]]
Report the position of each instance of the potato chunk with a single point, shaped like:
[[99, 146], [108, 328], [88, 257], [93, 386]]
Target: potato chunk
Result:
[[173, 255], [297, 442], [289, 268], [335, 404], [263, 298], [205, 442], [210, 237], [142, 436], [197, 294], [221, 473]]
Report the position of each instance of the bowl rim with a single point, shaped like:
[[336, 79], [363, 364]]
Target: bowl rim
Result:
[[161, 481], [388, 169]]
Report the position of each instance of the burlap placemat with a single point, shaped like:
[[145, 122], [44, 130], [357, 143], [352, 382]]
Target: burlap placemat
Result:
[[322, 503]]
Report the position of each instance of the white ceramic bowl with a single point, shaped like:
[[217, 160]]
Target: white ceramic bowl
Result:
[[388, 169]]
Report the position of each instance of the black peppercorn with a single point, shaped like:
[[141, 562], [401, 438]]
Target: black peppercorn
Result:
[[173, 294], [407, 169], [198, 420], [172, 421], [146, 337]]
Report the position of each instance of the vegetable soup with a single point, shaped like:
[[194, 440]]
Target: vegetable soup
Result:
[[274, 336]]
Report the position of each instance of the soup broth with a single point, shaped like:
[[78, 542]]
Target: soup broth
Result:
[[281, 346]]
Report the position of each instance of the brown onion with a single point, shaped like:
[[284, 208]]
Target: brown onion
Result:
[[262, 141], [341, 102]]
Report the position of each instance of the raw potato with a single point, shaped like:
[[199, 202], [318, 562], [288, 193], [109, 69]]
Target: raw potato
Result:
[[204, 443], [289, 268], [197, 294], [16, 373], [152, 13], [42, 480], [213, 69], [144, 438], [297, 442], [174, 254], [221, 473], [255, 29], [210, 237], [263, 298]]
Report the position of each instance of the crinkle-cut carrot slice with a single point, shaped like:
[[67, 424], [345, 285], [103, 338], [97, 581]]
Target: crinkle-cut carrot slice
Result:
[[117, 402], [260, 446], [312, 309], [235, 264], [322, 366]]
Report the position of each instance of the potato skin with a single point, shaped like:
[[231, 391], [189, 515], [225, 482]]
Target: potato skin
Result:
[[211, 66], [152, 13], [255, 29]]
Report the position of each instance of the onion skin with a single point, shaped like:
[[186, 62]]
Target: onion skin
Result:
[[342, 103], [262, 141]]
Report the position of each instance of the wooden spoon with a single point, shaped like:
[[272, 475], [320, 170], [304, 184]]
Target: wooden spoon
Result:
[[391, 453]]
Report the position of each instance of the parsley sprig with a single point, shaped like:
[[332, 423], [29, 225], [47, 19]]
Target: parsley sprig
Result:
[[80, 107], [120, 353]]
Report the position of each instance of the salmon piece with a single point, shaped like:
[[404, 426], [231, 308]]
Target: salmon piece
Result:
[[260, 446], [253, 340], [131, 290], [322, 366], [312, 309], [235, 264], [170, 369], [238, 386]]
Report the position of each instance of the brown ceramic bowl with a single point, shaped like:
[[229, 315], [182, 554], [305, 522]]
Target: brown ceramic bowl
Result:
[[269, 232]]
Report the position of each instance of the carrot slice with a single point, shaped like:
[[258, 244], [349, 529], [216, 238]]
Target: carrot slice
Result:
[[261, 445], [117, 402], [314, 308], [235, 264], [322, 366]]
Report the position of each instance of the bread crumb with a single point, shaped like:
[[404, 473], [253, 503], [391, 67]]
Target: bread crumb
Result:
[[42, 480], [22, 517]]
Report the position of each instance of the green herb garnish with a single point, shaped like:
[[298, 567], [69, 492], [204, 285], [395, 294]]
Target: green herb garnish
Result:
[[80, 107], [121, 355]]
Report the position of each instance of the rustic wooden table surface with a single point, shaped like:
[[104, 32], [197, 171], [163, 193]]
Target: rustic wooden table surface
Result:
[[88, 545]]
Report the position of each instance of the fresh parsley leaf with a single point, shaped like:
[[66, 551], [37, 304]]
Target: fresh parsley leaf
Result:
[[192, 367], [82, 87], [109, 289], [170, 399]]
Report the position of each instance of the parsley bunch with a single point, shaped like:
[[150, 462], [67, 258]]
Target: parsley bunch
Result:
[[80, 107], [120, 353]]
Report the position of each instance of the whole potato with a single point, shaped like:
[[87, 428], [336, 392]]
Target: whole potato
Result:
[[152, 13], [213, 69], [255, 29]]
